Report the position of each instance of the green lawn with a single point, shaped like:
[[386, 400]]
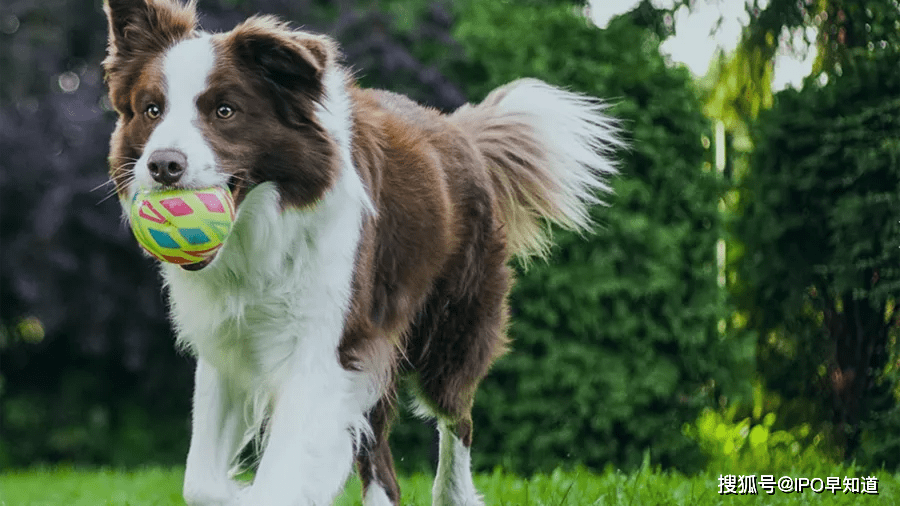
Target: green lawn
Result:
[[156, 486]]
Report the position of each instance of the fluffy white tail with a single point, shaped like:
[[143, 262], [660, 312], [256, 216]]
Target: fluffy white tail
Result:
[[549, 153]]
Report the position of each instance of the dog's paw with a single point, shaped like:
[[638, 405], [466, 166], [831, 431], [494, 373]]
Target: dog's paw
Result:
[[209, 494], [195, 499], [244, 497]]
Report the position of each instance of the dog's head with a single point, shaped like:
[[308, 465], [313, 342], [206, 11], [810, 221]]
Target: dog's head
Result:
[[199, 109]]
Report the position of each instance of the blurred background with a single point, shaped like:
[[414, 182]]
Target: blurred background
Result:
[[736, 306]]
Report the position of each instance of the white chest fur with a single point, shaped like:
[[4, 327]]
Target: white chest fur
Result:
[[279, 288], [268, 314]]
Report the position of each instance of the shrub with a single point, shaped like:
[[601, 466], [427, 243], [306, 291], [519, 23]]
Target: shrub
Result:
[[749, 437]]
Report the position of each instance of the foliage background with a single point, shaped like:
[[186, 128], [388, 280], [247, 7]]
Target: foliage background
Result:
[[813, 224], [627, 348]]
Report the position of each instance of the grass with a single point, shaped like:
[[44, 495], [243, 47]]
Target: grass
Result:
[[162, 487]]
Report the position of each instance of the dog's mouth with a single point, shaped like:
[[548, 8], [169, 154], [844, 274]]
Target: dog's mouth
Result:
[[199, 265], [233, 184], [237, 186]]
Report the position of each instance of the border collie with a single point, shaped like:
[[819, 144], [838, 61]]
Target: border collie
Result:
[[371, 243]]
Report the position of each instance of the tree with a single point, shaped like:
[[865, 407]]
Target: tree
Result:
[[816, 271]]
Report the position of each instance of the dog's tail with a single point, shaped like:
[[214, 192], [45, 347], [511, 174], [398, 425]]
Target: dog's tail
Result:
[[549, 154]]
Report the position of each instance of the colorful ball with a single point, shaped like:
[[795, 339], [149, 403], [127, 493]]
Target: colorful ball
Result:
[[182, 226]]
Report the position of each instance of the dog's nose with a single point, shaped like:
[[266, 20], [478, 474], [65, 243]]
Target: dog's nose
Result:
[[167, 165]]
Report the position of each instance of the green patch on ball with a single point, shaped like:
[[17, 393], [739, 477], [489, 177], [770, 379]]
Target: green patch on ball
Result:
[[182, 226]]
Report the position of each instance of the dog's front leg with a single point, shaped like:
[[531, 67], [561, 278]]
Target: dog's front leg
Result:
[[216, 434], [309, 450]]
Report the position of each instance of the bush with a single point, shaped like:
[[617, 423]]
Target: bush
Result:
[[749, 437]]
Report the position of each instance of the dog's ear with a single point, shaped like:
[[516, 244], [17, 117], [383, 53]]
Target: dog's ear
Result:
[[292, 60], [145, 26], [290, 64]]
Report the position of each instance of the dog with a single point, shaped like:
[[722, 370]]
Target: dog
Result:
[[371, 243]]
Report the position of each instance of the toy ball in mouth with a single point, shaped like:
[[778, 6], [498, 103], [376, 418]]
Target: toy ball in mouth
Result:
[[182, 226]]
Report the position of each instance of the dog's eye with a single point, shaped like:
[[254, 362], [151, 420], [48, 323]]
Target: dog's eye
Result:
[[152, 111], [224, 111]]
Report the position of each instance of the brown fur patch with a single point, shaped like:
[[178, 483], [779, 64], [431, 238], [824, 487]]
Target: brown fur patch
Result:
[[435, 220], [431, 273], [140, 30], [289, 64], [273, 134]]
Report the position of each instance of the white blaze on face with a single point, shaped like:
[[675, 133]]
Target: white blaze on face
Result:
[[186, 70]]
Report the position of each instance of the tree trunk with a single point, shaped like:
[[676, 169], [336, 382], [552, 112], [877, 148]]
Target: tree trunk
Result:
[[860, 335]]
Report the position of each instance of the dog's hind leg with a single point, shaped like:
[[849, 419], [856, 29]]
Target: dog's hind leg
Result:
[[460, 333], [374, 461], [453, 484]]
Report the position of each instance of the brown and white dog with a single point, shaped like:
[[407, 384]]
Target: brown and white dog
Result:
[[371, 243]]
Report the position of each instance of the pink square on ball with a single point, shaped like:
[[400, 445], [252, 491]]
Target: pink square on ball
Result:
[[176, 206], [211, 202]]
